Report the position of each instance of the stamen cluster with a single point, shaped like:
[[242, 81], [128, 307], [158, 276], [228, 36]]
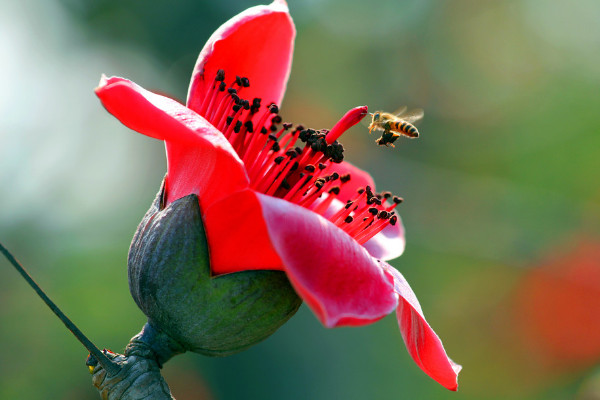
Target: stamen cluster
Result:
[[302, 174]]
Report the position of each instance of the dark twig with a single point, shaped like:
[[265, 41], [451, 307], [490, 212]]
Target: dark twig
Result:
[[109, 366]]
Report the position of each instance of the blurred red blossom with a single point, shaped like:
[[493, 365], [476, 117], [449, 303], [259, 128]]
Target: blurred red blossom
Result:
[[557, 307]]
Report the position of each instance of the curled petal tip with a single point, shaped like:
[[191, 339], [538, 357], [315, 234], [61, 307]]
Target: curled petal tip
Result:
[[422, 343], [457, 368], [282, 3], [107, 82], [103, 82], [256, 44]]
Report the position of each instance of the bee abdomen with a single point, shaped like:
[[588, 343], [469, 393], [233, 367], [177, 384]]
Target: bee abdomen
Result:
[[409, 129]]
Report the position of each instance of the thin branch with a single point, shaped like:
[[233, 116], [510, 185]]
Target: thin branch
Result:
[[109, 366]]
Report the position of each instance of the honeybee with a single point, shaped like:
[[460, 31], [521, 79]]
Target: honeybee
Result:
[[395, 125]]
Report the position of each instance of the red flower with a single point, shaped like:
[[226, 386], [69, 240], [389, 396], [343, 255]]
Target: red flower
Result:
[[556, 307], [259, 194]]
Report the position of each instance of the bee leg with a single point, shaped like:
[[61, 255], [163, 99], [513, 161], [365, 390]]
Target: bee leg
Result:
[[393, 139], [385, 138], [388, 135]]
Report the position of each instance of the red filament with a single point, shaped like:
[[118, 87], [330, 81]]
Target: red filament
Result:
[[294, 163]]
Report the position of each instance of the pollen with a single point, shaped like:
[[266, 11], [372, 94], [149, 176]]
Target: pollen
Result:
[[296, 163]]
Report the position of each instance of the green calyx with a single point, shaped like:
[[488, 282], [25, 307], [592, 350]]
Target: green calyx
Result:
[[171, 282]]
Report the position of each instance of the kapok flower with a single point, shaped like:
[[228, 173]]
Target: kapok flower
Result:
[[275, 196]]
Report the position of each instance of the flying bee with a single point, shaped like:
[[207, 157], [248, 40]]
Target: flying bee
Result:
[[395, 125]]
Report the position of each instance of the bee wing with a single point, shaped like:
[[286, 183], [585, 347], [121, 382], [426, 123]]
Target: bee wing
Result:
[[400, 111], [412, 115]]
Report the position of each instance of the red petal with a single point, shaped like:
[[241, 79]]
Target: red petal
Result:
[[422, 343], [148, 113], [337, 278], [257, 44], [237, 235], [197, 154]]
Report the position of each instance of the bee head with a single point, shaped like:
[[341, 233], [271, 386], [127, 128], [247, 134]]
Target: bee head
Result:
[[375, 116]]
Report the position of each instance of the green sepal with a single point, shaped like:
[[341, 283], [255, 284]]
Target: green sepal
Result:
[[170, 280]]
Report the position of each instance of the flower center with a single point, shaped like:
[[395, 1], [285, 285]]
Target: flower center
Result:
[[296, 164]]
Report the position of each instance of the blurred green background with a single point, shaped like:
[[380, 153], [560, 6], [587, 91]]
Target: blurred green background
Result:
[[502, 190]]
